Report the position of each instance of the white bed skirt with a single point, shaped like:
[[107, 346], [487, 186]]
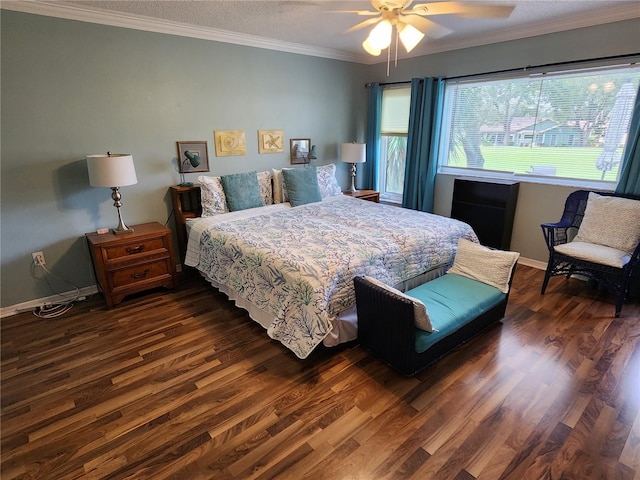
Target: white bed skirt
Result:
[[345, 327]]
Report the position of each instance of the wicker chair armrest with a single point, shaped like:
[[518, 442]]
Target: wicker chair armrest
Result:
[[556, 233]]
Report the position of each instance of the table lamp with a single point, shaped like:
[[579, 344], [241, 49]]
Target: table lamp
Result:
[[353, 153], [113, 170], [192, 159]]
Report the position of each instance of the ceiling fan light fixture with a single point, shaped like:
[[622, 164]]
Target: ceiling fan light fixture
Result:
[[409, 36], [370, 49], [380, 36]]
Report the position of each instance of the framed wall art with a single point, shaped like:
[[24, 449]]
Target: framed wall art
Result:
[[195, 149], [300, 148], [230, 142], [270, 141]]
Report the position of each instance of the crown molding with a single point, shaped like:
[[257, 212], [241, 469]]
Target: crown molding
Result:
[[587, 19], [138, 22]]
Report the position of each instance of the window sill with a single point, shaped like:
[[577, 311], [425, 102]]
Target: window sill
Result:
[[606, 186]]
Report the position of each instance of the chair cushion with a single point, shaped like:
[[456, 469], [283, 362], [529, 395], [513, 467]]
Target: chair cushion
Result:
[[484, 264], [592, 252], [452, 301], [611, 221]]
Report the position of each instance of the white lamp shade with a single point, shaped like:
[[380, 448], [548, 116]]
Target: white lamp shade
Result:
[[114, 170], [353, 152], [380, 36], [370, 49], [409, 36]]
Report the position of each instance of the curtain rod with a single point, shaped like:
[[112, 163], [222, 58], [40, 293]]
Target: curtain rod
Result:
[[524, 69]]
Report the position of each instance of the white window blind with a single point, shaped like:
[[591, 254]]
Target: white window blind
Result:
[[395, 110]]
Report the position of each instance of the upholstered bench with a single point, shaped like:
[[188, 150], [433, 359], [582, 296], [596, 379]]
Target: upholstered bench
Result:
[[411, 330]]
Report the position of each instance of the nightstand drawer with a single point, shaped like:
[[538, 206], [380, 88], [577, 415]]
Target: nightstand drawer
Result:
[[134, 248], [139, 273]]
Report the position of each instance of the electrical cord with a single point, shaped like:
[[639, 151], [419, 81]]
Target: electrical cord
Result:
[[59, 308]]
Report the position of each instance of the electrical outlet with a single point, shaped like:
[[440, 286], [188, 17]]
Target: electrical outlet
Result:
[[38, 258]]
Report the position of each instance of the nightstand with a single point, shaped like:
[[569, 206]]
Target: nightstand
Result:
[[133, 262], [370, 195]]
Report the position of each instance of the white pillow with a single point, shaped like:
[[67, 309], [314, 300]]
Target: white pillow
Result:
[[266, 188], [212, 197], [420, 313], [279, 189], [327, 181], [484, 264], [611, 221]]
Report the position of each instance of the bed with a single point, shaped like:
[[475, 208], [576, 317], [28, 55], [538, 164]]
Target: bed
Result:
[[292, 268]]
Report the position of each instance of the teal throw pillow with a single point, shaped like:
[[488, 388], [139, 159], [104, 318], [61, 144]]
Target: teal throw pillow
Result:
[[302, 185], [242, 191]]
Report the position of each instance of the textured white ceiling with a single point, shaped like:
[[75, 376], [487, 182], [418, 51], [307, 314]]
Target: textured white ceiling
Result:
[[315, 24]]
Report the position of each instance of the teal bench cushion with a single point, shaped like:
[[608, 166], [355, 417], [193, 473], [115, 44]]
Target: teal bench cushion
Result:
[[452, 300]]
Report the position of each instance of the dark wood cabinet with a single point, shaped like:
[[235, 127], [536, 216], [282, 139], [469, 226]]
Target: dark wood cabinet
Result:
[[489, 207]]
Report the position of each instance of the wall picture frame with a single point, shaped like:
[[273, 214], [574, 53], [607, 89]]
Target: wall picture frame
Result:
[[229, 142], [270, 141], [198, 148], [300, 148]]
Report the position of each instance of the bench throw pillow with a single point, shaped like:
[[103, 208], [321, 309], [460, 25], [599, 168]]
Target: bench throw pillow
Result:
[[484, 264], [242, 191], [420, 312], [611, 221]]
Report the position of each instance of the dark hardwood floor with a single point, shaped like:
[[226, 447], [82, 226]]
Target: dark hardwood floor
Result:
[[183, 385]]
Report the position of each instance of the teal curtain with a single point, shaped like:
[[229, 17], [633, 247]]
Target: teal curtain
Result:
[[368, 174], [630, 178], [425, 117]]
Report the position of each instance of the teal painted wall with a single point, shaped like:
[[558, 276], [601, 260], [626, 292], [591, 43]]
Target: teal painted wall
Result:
[[70, 89]]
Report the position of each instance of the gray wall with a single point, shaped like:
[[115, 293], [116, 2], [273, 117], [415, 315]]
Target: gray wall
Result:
[[70, 89], [537, 203]]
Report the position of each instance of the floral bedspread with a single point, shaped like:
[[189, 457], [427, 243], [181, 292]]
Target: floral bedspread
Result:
[[298, 264]]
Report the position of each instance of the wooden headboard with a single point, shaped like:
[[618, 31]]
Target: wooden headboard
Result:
[[186, 204]]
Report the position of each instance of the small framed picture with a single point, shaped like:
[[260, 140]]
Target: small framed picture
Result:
[[300, 148], [270, 141], [230, 142], [193, 157]]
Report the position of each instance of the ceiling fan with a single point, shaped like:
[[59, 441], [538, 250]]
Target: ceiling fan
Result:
[[411, 24]]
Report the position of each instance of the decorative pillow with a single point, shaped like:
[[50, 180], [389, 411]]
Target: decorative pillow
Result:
[[212, 197], [327, 181], [279, 190], [242, 191], [302, 185], [266, 189], [611, 221], [420, 313], [484, 264]]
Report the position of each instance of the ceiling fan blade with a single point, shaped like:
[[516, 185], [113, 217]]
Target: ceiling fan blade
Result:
[[357, 12], [430, 28], [462, 9], [366, 23]]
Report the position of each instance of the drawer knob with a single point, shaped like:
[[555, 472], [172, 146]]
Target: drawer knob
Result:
[[132, 250], [140, 275]]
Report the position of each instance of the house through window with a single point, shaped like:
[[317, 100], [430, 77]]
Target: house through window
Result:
[[566, 125]]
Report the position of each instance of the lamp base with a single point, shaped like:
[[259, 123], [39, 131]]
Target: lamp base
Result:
[[353, 188], [121, 232], [186, 184]]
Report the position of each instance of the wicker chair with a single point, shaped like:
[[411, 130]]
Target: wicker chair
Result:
[[616, 280]]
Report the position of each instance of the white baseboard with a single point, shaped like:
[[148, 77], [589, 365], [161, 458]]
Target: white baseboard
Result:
[[93, 289], [529, 262], [50, 300]]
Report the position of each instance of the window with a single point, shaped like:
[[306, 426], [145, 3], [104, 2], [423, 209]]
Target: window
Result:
[[393, 142], [563, 126]]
